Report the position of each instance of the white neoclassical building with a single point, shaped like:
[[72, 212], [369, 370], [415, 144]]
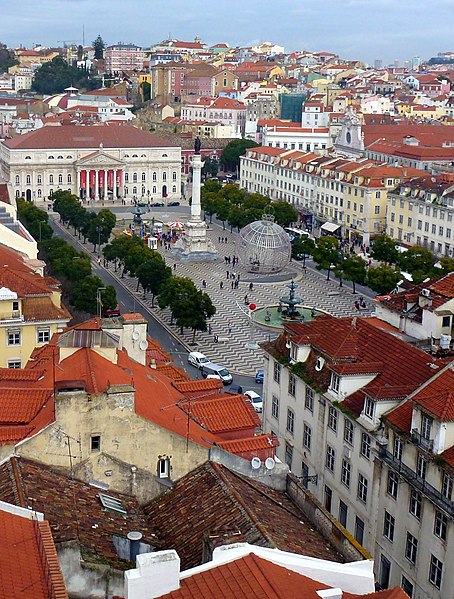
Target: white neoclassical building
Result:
[[110, 161]]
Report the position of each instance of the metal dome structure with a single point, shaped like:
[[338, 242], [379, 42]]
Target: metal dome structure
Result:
[[264, 247]]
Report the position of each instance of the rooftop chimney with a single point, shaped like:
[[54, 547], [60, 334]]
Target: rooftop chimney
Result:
[[330, 593], [156, 574]]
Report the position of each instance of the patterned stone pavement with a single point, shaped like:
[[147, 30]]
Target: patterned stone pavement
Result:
[[231, 323]]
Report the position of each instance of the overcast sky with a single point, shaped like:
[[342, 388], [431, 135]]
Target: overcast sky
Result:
[[363, 29]]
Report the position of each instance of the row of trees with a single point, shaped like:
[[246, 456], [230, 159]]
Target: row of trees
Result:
[[328, 255], [55, 76], [91, 226], [189, 306], [238, 207], [72, 268]]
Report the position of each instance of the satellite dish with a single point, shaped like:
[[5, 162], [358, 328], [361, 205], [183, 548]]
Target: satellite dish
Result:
[[269, 463], [143, 345], [135, 335], [256, 463]]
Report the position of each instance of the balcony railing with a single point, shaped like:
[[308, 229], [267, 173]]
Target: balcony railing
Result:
[[417, 482], [418, 439], [14, 315]]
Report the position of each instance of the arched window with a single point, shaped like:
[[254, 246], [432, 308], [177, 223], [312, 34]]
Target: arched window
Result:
[[174, 176], [51, 179], [164, 176], [69, 178], [17, 180], [134, 190], [28, 180], [134, 177], [126, 155], [143, 191], [51, 192], [51, 158], [17, 193], [164, 156], [174, 189], [60, 157], [40, 179], [60, 179], [28, 157], [143, 155], [154, 176], [40, 193], [69, 157], [144, 177], [134, 156], [154, 189], [126, 191], [126, 177]]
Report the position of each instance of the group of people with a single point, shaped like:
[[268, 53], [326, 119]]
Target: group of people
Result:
[[231, 260], [360, 304], [222, 239]]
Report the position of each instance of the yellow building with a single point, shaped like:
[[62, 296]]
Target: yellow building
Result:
[[30, 308]]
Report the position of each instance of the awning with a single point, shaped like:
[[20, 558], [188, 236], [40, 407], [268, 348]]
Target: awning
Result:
[[330, 227]]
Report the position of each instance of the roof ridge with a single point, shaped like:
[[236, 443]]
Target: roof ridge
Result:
[[15, 473]]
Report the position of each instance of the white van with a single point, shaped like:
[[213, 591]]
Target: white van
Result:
[[220, 371], [197, 359]]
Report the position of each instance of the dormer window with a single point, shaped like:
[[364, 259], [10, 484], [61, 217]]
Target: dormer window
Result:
[[369, 408], [293, 352], [426, 426], [335, 382], [164, 467]]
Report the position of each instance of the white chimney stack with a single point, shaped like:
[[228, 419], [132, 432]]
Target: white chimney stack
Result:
[[156, 574], [330, 593]]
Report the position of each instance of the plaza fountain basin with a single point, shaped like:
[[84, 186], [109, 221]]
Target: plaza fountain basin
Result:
[[277, 319]]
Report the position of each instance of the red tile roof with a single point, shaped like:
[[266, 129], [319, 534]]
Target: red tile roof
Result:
[[444, 286], [87, 137], [212, 500], [437, 397], [26, 550], [401, 416], [20, 406], [262, 446], [43, 309], [198, 385], [222, 413]]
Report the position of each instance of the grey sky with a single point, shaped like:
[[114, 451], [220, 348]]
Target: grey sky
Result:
[[363, 29]]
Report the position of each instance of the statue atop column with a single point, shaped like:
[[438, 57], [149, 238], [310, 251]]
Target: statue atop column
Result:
[[197, 145]]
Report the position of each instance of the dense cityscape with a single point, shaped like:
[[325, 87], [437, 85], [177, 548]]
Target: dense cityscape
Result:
[[226, 322]]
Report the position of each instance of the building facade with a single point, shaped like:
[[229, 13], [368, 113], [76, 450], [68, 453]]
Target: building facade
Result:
[[92, 162], [123, 57]]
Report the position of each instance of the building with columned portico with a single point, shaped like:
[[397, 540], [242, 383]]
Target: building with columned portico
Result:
[[98, 162]]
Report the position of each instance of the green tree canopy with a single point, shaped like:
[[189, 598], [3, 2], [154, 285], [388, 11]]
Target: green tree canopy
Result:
[[302, 247], [100, 228], [54, 76], [84, 295], [354, 270], [284, 213], [326, 253], [384, 249], [418, 262], [153, 274], [7, 58], [383, 278], [230, 156], [99, 46], [34, 219]]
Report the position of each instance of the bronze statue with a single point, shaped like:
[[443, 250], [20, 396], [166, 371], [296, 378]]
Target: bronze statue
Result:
[[197, 145]]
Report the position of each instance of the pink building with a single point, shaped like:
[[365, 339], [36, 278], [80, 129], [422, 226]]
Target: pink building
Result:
[[123, 57]]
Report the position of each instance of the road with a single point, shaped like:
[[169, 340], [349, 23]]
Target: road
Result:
[[130, 302]]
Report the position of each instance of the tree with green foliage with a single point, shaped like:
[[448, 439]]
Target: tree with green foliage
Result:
[[120, 247], [222, 211], [7, 58], [384, 249], [383, 278], [418, 262], [99, 47], [326, 253], [84, 295], [230, 156], [209, 202], [55, 76], [446, 265], [302, 248], [354, 270], [101, 228], [152, 275], [146, 91], [284, 213], [210, 167], [137, 255], [34, 219]]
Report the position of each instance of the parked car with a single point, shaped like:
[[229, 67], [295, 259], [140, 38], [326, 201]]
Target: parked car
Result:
[[235, 389], [211, 368], [157, 204], [259, 376], [173, 203], [111, 312], [197, 359], [141, 204], [256, 400]]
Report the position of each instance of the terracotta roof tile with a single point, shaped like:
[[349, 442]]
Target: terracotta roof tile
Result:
[[94, 525], [20, 406], [43, 309], [223, 413], [437, 397], [8, 375], [87, 137], [198, 385], [249, 447], [173, 372], [400, 417], [212, 500], [444, 286], [22, 565]]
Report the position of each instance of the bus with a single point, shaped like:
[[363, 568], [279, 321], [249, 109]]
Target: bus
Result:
[[295, 233]]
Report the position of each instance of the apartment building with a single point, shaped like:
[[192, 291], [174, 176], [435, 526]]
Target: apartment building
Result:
[[329, 385], [123, 57], [421, 211], [222, 110], [336, 194]]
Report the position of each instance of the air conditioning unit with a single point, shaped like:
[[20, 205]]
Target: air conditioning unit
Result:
[[347, 452], [425, 292]]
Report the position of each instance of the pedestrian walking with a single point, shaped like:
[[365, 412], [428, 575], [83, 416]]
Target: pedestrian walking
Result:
[[221, 285], [204, 284], [216, 338], [246, 299], [210, 329], [219, 239], [251, 286], [174, 266], [357, 304], [238, 277], [232, 285], [230, 329], [228, 275], [237, 284]]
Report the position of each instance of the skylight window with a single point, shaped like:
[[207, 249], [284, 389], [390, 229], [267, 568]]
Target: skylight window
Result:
[[112, 504]]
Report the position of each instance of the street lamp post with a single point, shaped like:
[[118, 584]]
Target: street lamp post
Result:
[[99, 300], [98, 228]]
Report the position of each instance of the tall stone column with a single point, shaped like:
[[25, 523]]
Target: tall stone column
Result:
[[196, 207], [87, 185], [106, 186], [96, 185]]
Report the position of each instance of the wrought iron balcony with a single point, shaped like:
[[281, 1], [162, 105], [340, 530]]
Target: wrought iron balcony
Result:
[[417, 482], [423, 442]]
